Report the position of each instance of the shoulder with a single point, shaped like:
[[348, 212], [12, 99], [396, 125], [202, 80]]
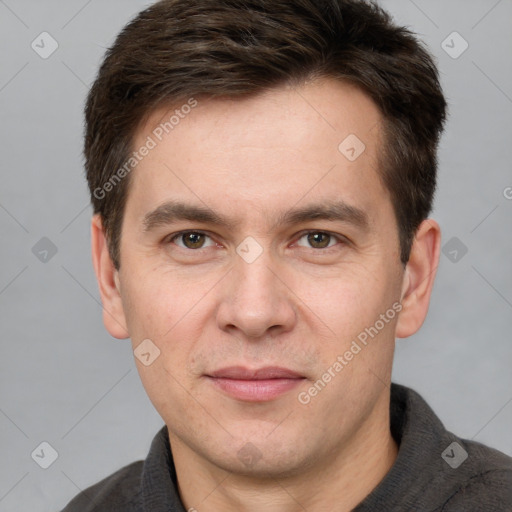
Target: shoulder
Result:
[[115, 493], [438, 471], [484, 484]]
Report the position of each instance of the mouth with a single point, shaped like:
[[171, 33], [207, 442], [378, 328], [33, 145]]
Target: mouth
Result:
[[255, 385]]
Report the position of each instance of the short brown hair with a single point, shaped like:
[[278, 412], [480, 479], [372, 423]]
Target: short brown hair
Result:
[[178, 49]]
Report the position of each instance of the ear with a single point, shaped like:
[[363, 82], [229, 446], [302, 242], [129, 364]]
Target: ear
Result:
[[418, 279], [108, 282]]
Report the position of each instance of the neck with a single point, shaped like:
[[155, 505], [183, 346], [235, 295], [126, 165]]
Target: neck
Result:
[[339, 483]]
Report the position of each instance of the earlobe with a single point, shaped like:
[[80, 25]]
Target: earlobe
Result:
[[108, 282], [418, 279]]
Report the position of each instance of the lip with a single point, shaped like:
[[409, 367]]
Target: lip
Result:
[[255, 385], [242, 373]]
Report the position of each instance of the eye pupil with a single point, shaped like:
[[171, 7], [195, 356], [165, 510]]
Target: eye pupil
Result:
[[193, 240], [319, 240]]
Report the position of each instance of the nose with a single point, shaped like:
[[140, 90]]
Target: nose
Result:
[[256, 300]]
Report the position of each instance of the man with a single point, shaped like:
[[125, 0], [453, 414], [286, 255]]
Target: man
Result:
[[261, 173]]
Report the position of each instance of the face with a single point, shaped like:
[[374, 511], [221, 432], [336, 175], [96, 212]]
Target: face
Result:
[[260, 257]]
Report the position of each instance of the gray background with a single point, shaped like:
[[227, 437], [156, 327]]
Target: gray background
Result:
[[65, 381]]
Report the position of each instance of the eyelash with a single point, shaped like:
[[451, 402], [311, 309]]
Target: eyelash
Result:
[[341, 239]]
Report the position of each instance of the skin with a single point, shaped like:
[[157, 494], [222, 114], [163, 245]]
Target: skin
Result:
[[299, 305]]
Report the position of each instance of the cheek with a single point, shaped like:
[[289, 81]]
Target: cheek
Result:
[[166, 312], [172, 312], [347, 301], [154, 302]]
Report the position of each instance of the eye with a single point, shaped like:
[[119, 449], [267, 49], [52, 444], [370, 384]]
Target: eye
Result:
[[319, 239], [191, 240]]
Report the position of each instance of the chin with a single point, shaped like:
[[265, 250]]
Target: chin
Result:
[[257, 459]]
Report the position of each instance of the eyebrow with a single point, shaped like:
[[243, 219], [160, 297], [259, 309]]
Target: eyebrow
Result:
[[173, 211]]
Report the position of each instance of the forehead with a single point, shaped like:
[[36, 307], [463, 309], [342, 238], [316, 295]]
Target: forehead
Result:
[[321, 139], [321, 107]]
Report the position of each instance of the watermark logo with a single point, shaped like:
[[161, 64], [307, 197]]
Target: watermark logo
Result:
[[249, 250], [44, 455], [454, 45], [147, 352], [249, 455], [352, 147], [44, 45], [454, 455], [454, 249], [44, 250]]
